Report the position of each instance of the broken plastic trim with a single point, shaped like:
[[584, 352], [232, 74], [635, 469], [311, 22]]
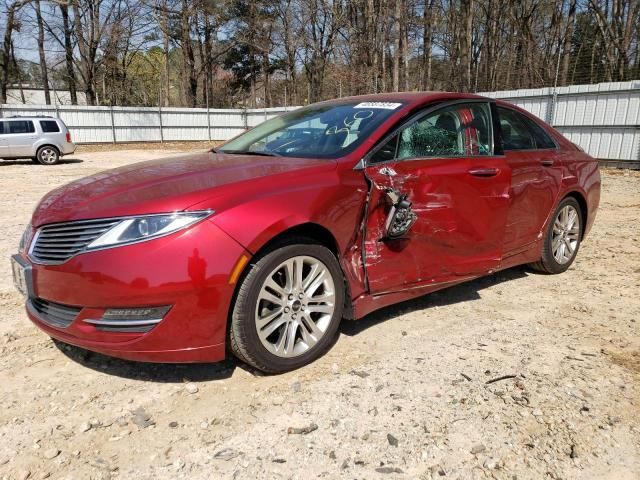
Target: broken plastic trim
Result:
[[400, 218]]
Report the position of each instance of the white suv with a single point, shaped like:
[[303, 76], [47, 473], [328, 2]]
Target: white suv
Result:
[[43, 139]]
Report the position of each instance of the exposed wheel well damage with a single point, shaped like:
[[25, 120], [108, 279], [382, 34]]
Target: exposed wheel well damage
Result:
[[315, 233]]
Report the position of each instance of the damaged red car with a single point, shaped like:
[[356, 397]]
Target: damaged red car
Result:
[[263, 246]]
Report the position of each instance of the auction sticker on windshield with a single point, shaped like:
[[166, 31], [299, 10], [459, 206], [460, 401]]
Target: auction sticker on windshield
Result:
[[383, 105]]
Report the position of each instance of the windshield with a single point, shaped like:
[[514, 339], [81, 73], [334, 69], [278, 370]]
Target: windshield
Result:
[[317, 131]]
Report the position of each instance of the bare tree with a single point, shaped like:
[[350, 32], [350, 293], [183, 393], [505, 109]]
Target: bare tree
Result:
[[11, 24]]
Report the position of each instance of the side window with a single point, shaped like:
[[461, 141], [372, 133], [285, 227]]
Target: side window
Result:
[[49, 126], [540, 137], [20, 126], [522, 133], [457, 131], [2, 128]]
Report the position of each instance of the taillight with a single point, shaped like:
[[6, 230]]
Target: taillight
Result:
[[68, 137]]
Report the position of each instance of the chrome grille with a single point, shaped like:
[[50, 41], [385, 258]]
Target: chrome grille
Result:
[[54, 314], [58, 242]]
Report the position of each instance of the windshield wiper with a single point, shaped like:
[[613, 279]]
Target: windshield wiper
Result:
[[262, 153]]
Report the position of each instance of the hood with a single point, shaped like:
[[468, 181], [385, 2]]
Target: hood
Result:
[[158, 186]]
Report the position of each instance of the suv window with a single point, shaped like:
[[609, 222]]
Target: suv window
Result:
[[49, 126], [19, 126], [522, 133], [2, 128], [461, 130]]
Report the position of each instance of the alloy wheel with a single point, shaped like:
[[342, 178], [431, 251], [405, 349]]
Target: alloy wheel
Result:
[[48, 156], [295, 306], [566, 234]]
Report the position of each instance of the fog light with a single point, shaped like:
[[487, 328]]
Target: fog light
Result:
[[130, 319]]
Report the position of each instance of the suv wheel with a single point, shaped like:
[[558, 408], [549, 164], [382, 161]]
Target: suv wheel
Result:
[[48, 155]]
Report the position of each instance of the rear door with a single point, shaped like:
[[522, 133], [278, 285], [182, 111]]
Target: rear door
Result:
[[536, 170], [21, 136], [444, 164]]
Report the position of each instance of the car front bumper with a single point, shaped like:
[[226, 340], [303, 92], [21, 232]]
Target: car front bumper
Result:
[[188, 271]]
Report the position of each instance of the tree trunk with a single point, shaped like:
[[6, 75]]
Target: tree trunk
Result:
[[164, 27], [427, 45], [396, 46], [6, 48], [190, 81], [44, 72], [466, 12], [86, 64], [566, 45], [17, 69], [68, 54]]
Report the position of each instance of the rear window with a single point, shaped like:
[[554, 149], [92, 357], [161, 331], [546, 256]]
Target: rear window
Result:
[[19, 126], [49, 126]]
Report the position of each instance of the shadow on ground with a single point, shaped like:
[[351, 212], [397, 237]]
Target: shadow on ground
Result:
[[28, 161], [464, 292], [152, 372], [201, 372]]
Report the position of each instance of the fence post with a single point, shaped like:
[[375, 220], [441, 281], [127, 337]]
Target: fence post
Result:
[[113, 124], [208, 117], [551, 106], [209, 123], [160, 121]]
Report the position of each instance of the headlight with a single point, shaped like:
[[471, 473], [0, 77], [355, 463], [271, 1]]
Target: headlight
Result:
[[146, 227]]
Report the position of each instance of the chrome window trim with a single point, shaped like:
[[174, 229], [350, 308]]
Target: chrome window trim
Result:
[[427, 110]]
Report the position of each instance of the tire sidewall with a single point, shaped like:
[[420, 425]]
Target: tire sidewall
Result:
[[45, 163], [550, 262], [245, 307]]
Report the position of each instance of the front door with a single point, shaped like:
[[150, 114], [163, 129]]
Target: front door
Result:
[[443, 164]]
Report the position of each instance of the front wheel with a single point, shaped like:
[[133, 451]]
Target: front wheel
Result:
[[288, 307], [562, 239]]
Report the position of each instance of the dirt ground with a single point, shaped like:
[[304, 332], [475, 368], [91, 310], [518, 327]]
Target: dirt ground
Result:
[[409, 392]]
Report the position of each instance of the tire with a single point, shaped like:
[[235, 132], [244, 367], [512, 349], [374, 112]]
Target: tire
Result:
[[295, 307], [566, 236], [47, 155]]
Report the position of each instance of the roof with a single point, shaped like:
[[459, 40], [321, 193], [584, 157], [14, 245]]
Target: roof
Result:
[[410, 97], [27, 117]]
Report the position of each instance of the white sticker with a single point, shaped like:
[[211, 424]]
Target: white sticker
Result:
[[384, 105]]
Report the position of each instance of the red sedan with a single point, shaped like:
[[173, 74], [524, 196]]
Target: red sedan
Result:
[[264, 245]]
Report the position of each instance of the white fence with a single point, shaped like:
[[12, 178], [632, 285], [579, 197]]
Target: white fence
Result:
[[604, 119], [147, 124]]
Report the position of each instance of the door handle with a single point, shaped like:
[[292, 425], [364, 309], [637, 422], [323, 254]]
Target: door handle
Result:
[[547, 162], [484, 172]]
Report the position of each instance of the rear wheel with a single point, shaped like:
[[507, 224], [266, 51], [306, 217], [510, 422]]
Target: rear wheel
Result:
[[562, 239], [288, 307], [48, 155]]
